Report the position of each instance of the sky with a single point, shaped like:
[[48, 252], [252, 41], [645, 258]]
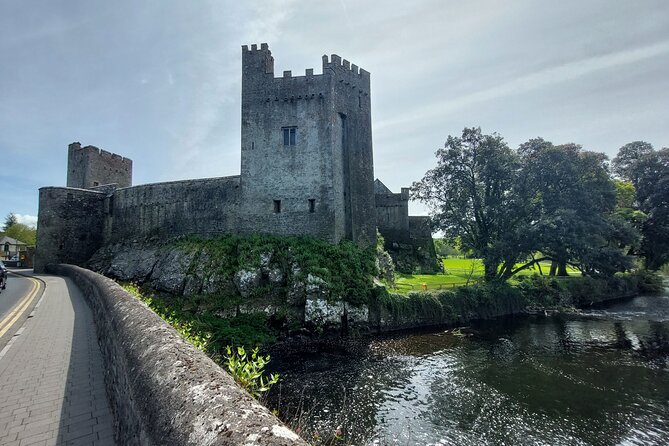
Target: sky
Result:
[[160, 81]]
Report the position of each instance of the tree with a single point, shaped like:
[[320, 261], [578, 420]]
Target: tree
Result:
[[571, 202], [23, 233], [626, 165], [10, 220], [472, 194], [648, 171], [445, 248]]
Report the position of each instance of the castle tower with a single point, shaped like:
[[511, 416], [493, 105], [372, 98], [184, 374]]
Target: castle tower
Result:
[[307, 164], [89, 167]]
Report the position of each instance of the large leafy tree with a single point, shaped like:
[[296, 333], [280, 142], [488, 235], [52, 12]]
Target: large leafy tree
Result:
[[648, 171], [572, 200], [473, 196]]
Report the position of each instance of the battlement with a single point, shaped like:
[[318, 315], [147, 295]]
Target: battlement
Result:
[[259, 60], [346, 70], [76, 146], [254, 48]]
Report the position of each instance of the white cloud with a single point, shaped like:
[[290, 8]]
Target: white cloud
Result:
[[28, 220], [531, 81]]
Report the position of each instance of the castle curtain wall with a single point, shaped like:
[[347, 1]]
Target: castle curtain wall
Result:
[[204, 207]]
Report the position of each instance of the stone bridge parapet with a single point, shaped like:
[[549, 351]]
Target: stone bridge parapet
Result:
[[163, 390]]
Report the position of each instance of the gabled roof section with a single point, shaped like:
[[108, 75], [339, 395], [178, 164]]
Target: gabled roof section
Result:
[[380, 188], [11, 241]]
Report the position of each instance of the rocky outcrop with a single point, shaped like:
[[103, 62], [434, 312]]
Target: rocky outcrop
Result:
[[264, 285]]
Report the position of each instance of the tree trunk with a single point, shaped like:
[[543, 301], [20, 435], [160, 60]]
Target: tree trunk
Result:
[[553, 268], [562, 268], [490, 271]]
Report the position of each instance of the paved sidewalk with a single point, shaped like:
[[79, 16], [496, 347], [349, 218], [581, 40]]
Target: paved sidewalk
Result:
[[51, 378]]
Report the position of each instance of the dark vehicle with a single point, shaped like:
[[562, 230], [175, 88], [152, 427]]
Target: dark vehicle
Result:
[[3, 276]]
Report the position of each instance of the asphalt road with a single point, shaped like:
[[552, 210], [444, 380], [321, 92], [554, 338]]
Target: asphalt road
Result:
[[17, 287], [16, 303]]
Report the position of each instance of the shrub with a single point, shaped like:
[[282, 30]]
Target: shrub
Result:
[[248, 370], [543, 291], [648, 281]]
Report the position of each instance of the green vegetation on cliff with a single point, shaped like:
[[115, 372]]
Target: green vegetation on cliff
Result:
[[203, 321], [344, 270]]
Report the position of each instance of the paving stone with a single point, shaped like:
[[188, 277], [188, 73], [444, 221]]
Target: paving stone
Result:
[[52, 377]]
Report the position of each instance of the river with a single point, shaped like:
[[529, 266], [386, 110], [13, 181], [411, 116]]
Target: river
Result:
[[600, 377]]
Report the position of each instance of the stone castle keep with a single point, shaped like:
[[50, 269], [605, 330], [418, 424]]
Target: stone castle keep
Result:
[[306, 169]]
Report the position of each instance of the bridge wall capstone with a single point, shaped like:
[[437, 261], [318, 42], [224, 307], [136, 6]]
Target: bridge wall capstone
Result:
[[161, 388]]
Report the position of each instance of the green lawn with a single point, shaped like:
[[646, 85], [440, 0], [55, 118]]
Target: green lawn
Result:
[[457, 273]]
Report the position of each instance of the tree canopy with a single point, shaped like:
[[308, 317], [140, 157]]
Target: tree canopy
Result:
[[472, 194], [648, 172], [508, 205]]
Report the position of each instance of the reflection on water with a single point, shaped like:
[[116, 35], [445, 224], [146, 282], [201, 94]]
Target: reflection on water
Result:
[[598, 378]]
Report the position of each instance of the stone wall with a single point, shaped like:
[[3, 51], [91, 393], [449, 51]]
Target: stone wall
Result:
[[162, 389], [408, 239], [392, 215], [89, 167], [70, 225], [205, 207]]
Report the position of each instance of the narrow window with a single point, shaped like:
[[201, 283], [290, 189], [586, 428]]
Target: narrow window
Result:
[[312, 205], [289, 135], [277, 206], [253, 145]]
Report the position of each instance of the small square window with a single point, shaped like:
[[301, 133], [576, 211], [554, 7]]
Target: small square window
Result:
[[312, 205], [277, 206], [289, 135], [95, 183]]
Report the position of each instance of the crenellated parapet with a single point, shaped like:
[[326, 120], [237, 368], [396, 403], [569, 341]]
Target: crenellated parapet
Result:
[[346, 72], [258, 64]]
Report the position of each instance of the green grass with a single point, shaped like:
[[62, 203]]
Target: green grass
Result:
[[457, 272]]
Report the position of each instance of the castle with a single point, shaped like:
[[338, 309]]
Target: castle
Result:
[[306, 169]]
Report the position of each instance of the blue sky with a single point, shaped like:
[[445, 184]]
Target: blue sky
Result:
[[159, 81]]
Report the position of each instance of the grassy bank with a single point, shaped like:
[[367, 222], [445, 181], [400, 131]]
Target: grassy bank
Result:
[[459, 272], [482, 301]]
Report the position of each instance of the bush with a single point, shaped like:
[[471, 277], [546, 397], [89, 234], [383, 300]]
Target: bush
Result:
[[648, 281], [543, 291], [249, 370], [196, 319]]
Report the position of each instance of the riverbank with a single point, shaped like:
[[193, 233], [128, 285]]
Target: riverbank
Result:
[[459, 306]]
